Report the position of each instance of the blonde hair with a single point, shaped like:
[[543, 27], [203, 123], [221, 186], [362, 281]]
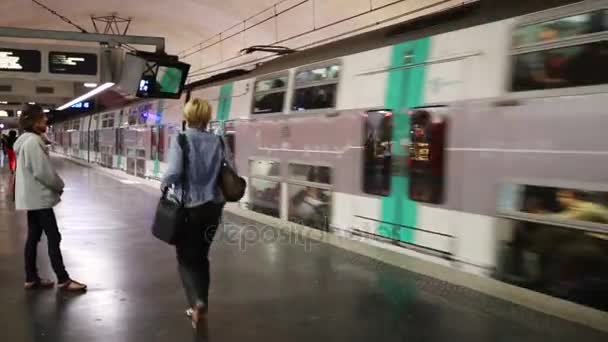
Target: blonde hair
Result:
[[197, 113]]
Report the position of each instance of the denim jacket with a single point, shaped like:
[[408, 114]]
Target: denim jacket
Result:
[[205, 158]]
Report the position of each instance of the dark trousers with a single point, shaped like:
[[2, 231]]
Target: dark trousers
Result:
[[39, 221], [192, 247]]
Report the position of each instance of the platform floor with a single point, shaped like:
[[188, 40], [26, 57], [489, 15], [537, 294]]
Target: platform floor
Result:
[[266, 289]]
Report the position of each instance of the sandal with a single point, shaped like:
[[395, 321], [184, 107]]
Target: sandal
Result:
[[72, 286], [197, 315], [39, 284]]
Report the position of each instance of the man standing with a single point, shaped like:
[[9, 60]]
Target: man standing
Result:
[[38, 189]]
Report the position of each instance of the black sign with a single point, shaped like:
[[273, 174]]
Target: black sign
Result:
[[72, 63], [16, 60]]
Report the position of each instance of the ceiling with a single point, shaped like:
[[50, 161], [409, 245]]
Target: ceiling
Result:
[[183, 23]]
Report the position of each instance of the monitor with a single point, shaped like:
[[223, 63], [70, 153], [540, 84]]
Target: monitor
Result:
[[163, 80], [18, 60], [73, 63]]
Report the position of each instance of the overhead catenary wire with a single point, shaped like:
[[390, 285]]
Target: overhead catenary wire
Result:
[[62, 17], [204, 70], [186, 53], [196, 72], [221, 37], [243, 22]]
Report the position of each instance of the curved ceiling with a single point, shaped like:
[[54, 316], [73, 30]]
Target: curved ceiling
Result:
[[187, 23], [183, 23]]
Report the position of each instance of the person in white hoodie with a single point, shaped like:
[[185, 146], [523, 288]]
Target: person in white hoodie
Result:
[[38, 189]]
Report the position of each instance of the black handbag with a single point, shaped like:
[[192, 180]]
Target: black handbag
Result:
[[232, 185], [171, 217]]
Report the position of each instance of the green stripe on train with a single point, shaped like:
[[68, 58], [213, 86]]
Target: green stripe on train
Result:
[[225, 102], [405, 90]]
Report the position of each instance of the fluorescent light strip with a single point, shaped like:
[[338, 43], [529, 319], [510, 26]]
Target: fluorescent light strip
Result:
[[87, 95]]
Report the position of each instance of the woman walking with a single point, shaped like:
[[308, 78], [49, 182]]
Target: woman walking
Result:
[[204, 201]]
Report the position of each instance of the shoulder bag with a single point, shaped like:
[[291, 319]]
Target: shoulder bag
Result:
[[232, 185], [171, 217]]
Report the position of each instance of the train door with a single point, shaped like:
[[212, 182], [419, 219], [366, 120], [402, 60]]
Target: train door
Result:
[[156, 149], [230, 136], [120, 150]]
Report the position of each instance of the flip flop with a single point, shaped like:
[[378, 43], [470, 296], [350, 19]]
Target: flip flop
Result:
[[72, 286], [39, 284]]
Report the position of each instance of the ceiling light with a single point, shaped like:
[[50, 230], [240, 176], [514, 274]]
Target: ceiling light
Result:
[[31, 103], [19, 112], [3, 102], [87, 95], [46, 110], [3, 113], [90, 85]]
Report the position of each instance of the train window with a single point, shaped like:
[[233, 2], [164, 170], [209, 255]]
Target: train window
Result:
[[310, 206], [554, 203], [132, 117], [310, 173], [265, 196], [377, 161], [265, 168], [310, 195], [76, 125], [426, 156], [107, 120], [567, 27], [328, 73], [572, 66], [316, 88], [269, 95]]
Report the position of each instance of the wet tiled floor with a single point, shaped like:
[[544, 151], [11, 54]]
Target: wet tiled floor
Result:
[[266, 285]]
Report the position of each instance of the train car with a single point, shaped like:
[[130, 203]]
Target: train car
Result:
[[480, 148]]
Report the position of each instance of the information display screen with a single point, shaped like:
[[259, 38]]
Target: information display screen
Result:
[[163, 81], [17, 60], [82, 105], [72, 63]]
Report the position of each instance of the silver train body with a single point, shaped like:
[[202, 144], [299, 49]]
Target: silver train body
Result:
[[448, 147]]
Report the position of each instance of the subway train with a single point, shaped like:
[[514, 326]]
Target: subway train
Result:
[[482, 147]]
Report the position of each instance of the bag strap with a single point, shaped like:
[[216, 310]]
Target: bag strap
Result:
[[183, 143], [227, 156]]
